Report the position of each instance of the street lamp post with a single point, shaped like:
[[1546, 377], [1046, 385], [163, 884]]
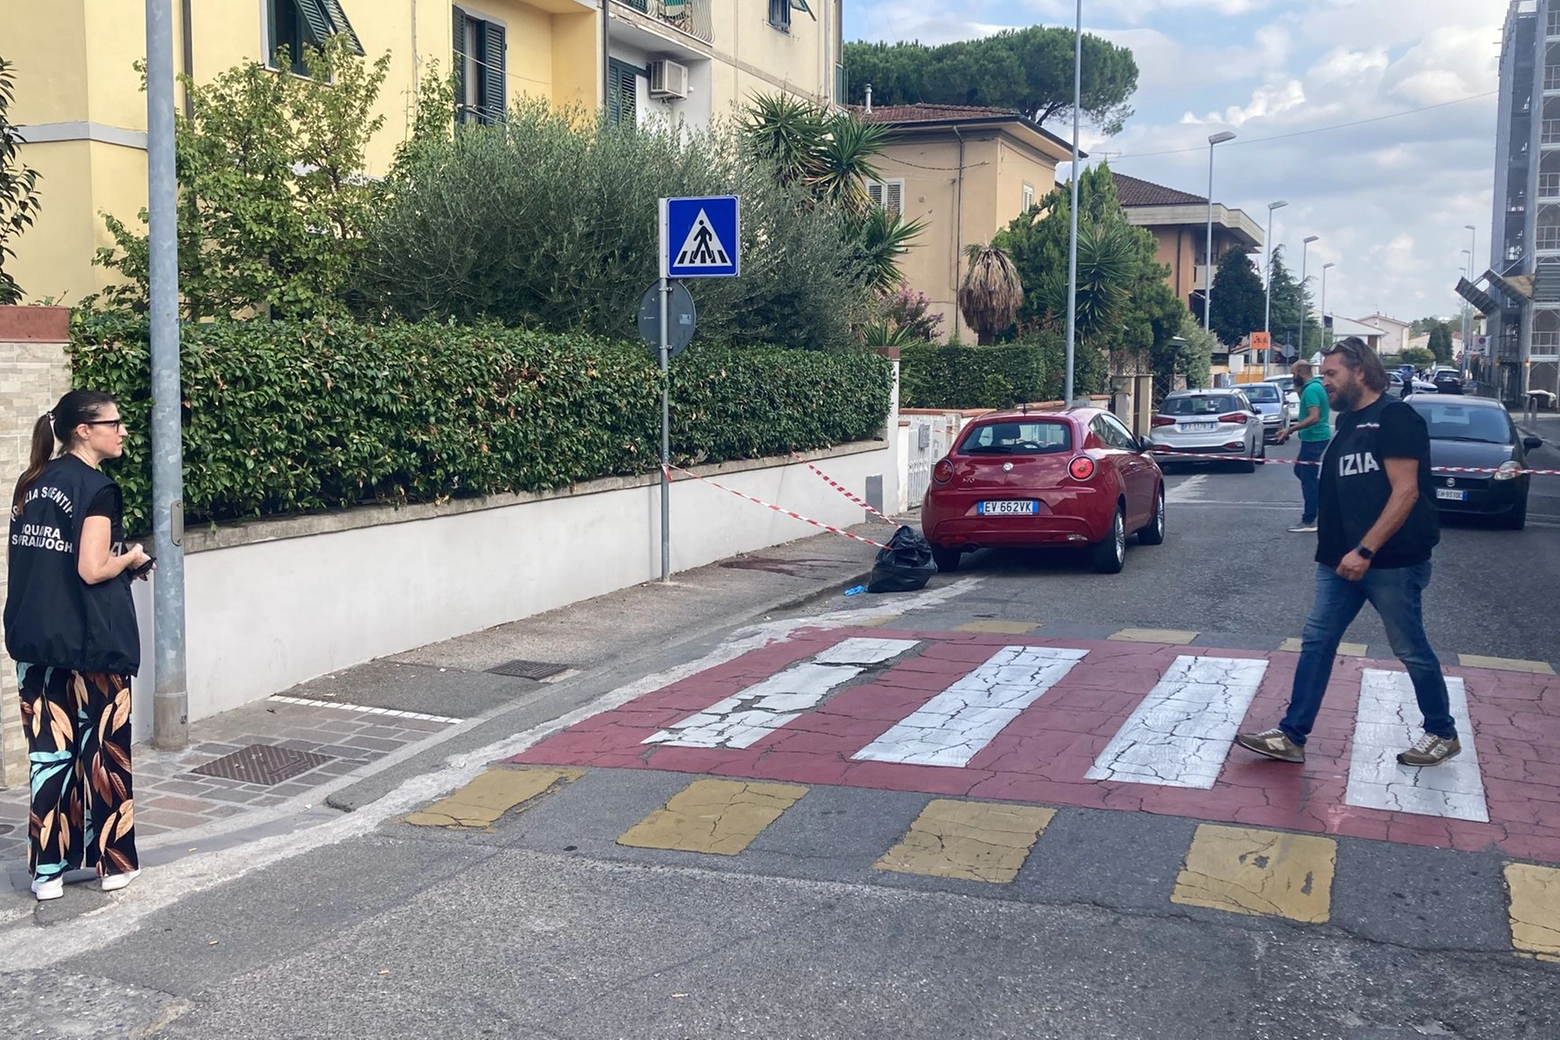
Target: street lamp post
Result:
[[1305, 301], [1325, 269], [1467, 320], [1217, 139], [1072, 239], [1473, 250], [1267, 311]]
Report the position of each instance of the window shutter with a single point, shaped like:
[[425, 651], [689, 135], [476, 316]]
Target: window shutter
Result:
[[875, 193], [314, 16], [338, 21], [623, 96], [495, 98], [459, 37], [894, 196]]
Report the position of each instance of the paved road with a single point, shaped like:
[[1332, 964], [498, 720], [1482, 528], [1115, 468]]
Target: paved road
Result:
[[693, 846]]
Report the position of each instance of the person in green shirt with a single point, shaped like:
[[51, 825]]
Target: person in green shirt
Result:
[[1315, 430]]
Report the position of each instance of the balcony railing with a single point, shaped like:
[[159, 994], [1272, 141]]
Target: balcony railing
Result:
[[693, 17]]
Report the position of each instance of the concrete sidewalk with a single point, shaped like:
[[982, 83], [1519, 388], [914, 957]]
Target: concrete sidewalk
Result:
[[275, 764]]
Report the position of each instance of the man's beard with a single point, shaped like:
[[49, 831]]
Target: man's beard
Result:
[[1344, 398]]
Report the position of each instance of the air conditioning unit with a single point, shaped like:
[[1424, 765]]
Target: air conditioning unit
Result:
[[668, 79]]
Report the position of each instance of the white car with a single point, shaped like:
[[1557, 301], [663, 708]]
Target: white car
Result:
[[1221, 422]]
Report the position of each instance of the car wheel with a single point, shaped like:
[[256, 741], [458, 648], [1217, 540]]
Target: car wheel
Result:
[[1516, 519], [947, 559], [1262, 455], [1111, 554], [1250, 464], [1154, 533]]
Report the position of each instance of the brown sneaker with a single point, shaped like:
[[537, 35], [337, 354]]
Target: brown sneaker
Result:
[[1430, 750], [1273, 743]]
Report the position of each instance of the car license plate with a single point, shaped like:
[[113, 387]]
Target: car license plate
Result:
[[1447, 494], [1008, 508], [1198, 427]]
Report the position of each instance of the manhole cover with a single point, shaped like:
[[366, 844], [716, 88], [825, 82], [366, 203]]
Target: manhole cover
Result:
[[262, 764], [537, 670]]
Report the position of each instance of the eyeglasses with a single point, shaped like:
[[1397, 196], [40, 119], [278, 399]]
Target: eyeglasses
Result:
[[120, 423]]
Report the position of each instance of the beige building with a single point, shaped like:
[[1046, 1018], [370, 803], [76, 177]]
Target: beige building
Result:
[[966, 172], [1394, 334], [83, 114], [1178, 221]]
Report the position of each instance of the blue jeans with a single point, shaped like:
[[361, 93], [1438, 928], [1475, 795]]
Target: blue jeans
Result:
[[1396, 594], [1310, 476]]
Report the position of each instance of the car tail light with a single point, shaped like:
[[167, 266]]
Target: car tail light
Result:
[[1163, 420], [943, 471], [1081, 468], [1238, 418]]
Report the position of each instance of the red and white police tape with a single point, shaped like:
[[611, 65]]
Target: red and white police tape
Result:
[[770, 505], [1158, 453], [836, 485]]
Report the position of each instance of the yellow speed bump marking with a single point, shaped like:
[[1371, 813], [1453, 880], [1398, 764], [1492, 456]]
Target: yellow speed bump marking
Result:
[[998, 628], [1506, 664], [1154, 635], [977, 841], [715, 816], [1344, 649], [1246, 871], [479, 804], [1535, 909]]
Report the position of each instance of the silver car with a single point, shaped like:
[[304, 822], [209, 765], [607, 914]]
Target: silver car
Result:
[[1268, 399], [1208, 422]]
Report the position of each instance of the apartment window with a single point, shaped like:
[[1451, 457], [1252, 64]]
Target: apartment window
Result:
[[1548, 237], [1029, 197], [1552, 77], [1548, 187], [1550, 131], [481, 94], [780, 14], [1554, 23], [300, 24], [888, 194], [623, 91], [839, 84]]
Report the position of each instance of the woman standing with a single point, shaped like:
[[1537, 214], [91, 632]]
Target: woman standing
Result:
[[70, 626]]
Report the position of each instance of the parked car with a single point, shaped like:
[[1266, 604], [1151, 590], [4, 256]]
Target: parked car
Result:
[[1447, 380], [1478, 433], [1072, 478], [1268, 399], [1291, 396], [1208, 422]]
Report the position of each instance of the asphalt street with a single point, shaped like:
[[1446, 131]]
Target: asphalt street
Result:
[[547, 919]]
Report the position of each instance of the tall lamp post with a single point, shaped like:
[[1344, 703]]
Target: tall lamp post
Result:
[[1467, 318], [1473, 250], [1217, 139], [1267, 311], [1305, 301], [1072, 239], [1325, 269]]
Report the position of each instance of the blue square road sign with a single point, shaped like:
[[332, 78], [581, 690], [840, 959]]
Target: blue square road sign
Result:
[[700, 237]]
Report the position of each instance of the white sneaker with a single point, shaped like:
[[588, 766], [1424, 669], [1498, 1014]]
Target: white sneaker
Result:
[[1303, 528], [51, 888], [114, 882]]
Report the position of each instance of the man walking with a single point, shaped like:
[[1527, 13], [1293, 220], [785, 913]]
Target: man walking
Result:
[[1315, 430], [1378, 525]]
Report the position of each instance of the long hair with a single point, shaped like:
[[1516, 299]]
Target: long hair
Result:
[[74, 408], [1357, 355]]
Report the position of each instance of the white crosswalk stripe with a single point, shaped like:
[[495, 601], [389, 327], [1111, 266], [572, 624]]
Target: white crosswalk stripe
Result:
[[1382, 728], [1180, 735]]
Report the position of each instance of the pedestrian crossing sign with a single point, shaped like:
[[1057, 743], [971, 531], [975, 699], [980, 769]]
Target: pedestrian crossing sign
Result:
[[700, 237]]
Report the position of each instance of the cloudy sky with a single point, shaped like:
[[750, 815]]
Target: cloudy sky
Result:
[[1389, 198]]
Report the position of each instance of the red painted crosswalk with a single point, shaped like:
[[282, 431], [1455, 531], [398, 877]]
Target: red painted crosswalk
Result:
[[1108, 725]]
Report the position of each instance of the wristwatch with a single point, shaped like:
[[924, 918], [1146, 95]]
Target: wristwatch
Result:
[[1367, 554]]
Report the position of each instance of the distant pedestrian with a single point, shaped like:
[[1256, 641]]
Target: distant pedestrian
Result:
[[1378, 527], [70, 626], [1314, 430]]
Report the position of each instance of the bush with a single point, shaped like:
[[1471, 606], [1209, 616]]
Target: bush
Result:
[[299, 417], [958, 376]]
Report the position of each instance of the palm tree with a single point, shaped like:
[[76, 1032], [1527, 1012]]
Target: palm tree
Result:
[[881, 239], [1105, 261], [991, 293]]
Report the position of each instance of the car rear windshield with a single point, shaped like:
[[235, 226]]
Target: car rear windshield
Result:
[[1200, 406], [1449, 421], [1261, 393], [1037, 437]]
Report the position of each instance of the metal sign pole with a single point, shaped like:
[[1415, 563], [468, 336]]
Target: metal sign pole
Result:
[[666, 409]]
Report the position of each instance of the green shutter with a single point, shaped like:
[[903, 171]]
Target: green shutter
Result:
[[313, 14], [495, 99], [338, 21], [622, 92], [460, 66]]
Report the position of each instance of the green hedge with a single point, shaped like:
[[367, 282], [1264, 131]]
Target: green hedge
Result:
[[287, 418], [958, 376]]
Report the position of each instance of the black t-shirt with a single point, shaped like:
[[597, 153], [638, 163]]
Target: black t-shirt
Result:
[[1355, 487]]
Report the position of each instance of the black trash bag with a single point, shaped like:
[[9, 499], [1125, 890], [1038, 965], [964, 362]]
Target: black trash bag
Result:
[[906, 565]]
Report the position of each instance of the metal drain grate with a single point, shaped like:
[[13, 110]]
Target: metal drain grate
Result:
[[537, 670], [262, 764]]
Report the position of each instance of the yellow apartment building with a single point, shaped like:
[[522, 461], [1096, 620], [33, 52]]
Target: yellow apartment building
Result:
[[83, 114], [966, 172]]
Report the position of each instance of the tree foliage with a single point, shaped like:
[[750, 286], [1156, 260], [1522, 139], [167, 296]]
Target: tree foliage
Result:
[[273, 199], [1027, 70], [1289, 301], [1239, 300], [1441, 343], [18, 185], [990, 293]]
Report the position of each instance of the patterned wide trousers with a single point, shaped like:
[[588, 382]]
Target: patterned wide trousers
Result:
[[78, 744]]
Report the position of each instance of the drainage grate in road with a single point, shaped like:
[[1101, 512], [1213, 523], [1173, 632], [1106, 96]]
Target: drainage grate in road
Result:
[[537, 670], [262, 764]]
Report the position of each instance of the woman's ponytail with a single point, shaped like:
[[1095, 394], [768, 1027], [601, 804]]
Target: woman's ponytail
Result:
[[75, 408], [38, 458]]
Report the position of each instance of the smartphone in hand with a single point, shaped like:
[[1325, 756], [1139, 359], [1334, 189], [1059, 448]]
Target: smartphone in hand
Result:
[[145, 568]]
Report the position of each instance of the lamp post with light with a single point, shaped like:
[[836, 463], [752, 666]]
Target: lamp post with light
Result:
[[1267, 312], [1305, 299], [1325, 269], [1217, 139]]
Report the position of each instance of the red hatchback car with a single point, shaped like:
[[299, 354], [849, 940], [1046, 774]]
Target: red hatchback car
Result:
[[1034, 480]]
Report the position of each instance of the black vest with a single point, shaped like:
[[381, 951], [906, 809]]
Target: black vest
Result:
[[1355, 487], [52, 617]]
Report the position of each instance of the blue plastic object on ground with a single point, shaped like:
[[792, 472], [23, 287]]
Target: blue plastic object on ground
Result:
[[858, 590]]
